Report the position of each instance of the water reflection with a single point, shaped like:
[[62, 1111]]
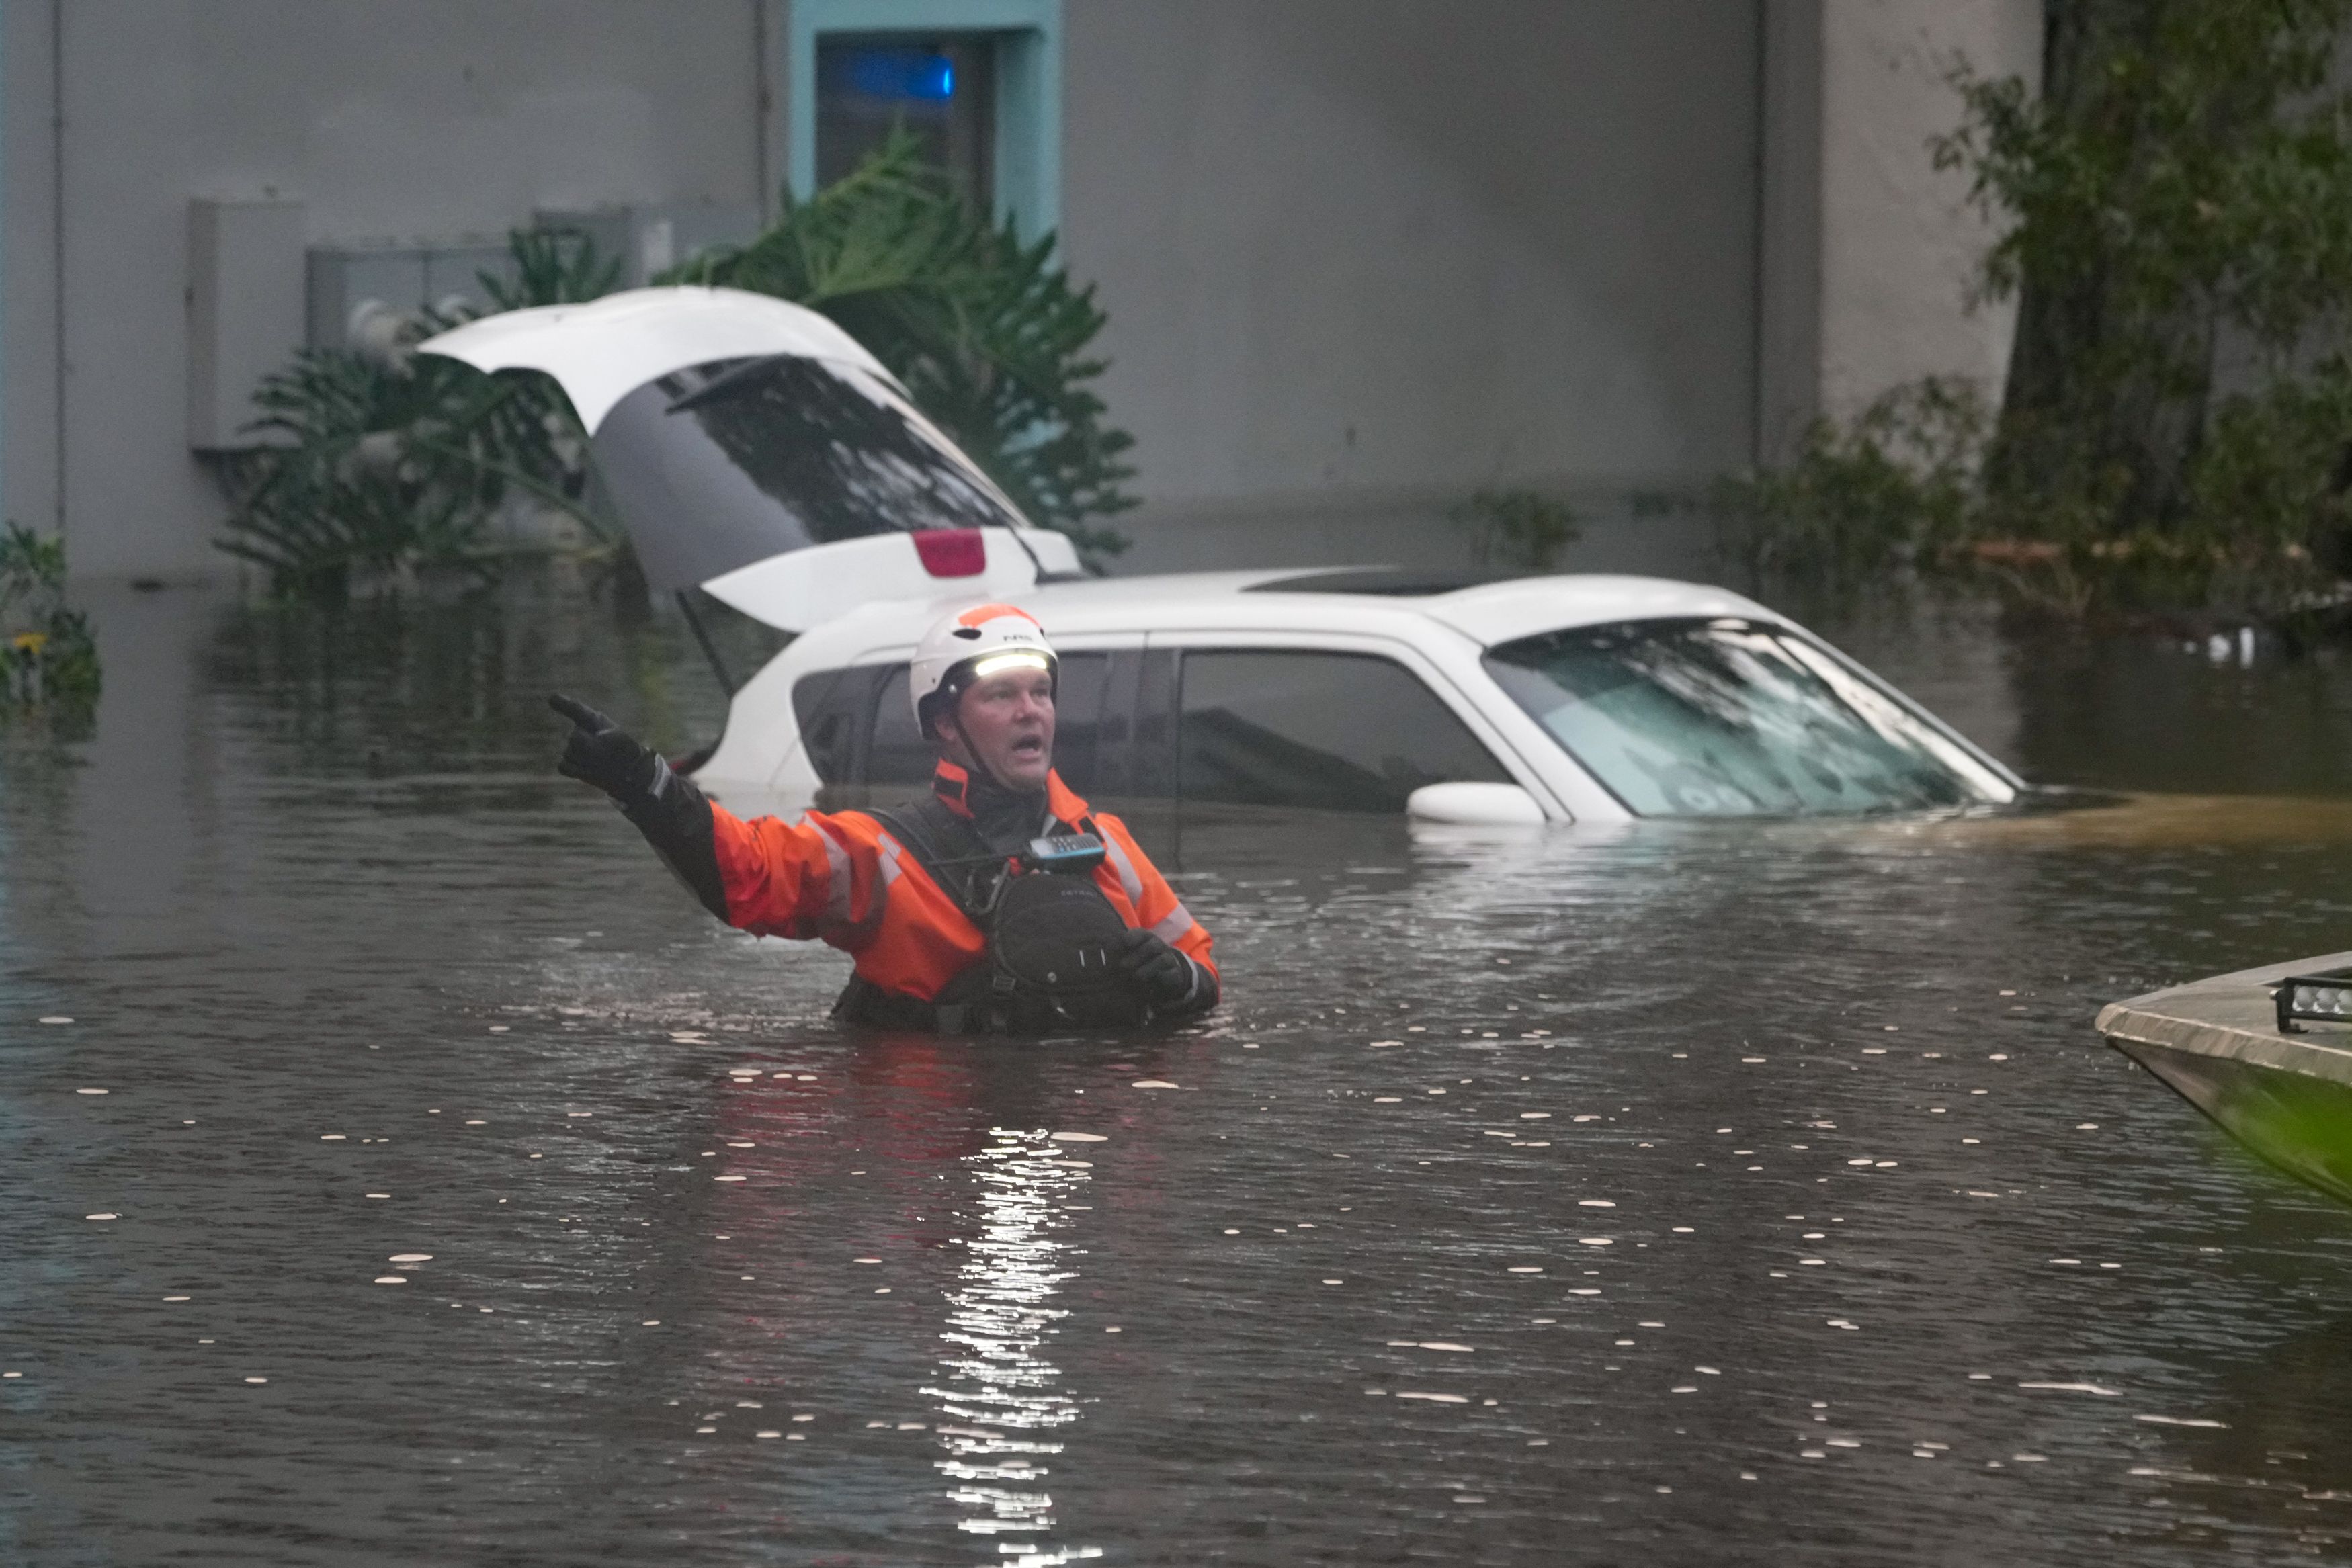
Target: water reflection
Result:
[[1003, 1397], [2271, 1450]]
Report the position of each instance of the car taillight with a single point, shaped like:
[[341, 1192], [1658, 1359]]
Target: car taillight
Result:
[[953, 552]]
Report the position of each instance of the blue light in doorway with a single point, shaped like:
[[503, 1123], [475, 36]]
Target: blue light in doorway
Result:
[[921, 74]]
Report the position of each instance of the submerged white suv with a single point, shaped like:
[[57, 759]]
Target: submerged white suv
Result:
[[757, 454], [1601, 697]]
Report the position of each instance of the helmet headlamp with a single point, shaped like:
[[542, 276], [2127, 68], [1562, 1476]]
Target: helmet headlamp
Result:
[[997, 663]]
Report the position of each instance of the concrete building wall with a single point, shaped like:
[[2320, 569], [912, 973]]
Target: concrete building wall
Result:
[[1790, 216], [429, 120], [1871, 253], [1904, 246], [1362, 256]]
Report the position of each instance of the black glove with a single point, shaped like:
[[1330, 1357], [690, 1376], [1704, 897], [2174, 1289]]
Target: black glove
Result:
[[1160, 972], [602, 753]]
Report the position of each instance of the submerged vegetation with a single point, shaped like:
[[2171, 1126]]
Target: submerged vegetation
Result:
[[48, 660], [382, 462], [2176, 429]]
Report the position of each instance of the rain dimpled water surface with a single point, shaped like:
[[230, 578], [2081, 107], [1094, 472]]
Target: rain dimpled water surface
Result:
[[401, 1167]]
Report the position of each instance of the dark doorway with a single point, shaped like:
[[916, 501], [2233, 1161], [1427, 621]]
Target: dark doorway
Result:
[[940, 86]]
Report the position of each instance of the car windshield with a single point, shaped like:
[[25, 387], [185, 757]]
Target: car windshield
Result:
[[1719, 717]]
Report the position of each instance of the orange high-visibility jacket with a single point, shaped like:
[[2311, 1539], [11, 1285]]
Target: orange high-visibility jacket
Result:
[[840, 877]]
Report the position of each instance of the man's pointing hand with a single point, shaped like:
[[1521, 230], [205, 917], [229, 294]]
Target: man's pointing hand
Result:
[[602, 753]]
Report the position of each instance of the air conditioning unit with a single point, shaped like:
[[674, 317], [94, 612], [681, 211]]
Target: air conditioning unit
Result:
[[648, 240], [405, 278]]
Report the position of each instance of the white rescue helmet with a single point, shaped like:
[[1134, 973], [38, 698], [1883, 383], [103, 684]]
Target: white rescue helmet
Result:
[[984, 641]]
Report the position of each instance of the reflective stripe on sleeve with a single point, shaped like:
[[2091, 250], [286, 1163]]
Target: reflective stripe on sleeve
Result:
[[891, 870], [1174, 924], [1128, 880], [837, 879]]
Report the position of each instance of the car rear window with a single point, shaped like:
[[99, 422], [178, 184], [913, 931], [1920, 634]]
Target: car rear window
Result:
[[729, 462]]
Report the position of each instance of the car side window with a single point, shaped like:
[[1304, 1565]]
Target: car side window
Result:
[[1078, 720], [1345, 732], [900, 755], [830, 706]]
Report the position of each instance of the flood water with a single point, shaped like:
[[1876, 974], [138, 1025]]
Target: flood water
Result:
[[423, 1177]]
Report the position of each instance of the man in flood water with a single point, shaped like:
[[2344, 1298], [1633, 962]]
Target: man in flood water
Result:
[[997, 903]]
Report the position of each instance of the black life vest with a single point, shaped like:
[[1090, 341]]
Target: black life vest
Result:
[[1054, 940]]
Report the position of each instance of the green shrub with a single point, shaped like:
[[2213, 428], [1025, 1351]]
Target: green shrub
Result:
[[380, 466], [1891, 491], [48, 660], [552, 266], [1518, 531], [985, 329], [2180, 180]]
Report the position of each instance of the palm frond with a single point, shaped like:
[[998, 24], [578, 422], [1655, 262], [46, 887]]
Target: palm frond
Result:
[[986, 330]]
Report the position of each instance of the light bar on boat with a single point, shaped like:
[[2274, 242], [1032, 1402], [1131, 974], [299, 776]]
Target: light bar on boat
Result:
[[2324, 998]]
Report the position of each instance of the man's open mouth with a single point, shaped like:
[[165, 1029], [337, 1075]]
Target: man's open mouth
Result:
[[1029, 746]]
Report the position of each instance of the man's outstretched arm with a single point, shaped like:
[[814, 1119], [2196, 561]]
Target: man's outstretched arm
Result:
[[815, 878], [674, 816]]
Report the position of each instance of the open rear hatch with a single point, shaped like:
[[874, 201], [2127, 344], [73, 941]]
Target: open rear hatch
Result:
[[753, 450]]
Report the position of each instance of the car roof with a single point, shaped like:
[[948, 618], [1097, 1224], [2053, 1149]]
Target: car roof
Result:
[[1366, 600]]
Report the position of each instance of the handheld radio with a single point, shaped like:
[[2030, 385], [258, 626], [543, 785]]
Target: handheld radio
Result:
[[1063, 852]]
